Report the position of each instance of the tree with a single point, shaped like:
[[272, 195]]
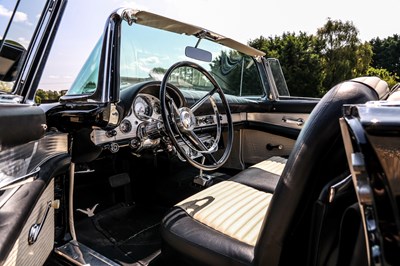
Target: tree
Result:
[[47, 96], [6, 86], [299, 56], [42, 95], [343, 55], [386, 54]]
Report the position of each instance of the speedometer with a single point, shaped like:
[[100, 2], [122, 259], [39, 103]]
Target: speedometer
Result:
[[142, 108]]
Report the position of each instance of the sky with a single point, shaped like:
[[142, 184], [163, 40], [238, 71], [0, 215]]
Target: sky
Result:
[[84, 22]]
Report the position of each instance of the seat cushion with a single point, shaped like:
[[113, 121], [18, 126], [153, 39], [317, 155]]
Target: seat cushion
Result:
[[231, 208], [264, 175], [225, 219], [273, 165]]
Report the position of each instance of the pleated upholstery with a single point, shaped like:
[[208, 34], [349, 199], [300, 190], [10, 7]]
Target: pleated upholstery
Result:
[[231, 208], [273, 165]]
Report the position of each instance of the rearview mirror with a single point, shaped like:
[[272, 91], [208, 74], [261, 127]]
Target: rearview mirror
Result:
[[198, 54]]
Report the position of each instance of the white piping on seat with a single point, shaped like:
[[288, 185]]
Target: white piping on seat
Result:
[[231, 208]]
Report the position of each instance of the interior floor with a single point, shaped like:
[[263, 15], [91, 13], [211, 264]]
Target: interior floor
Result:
[[119, 206]]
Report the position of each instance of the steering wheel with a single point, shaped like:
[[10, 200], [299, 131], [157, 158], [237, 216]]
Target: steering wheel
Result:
[[180, 123]]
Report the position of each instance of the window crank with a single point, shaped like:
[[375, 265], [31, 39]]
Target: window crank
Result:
[[36, 228]]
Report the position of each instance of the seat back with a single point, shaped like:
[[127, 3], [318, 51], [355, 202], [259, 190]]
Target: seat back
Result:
[[395, 96], [317, 157], [381, 86]]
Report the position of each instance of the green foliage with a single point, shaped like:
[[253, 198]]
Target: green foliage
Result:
[[236, 74], [300, 59], [43, 96], [384, 74], [387, 53], [6, 86], [159, 70], [343, 55], [313, 64]]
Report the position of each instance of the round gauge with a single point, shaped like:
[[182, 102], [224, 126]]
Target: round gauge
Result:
[[142, 108], [125, 126]]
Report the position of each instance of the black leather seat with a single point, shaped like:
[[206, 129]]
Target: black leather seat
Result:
[[240, 222]]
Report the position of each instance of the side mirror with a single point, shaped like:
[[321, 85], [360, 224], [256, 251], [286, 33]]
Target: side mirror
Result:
[[11, 54], [198, 54]]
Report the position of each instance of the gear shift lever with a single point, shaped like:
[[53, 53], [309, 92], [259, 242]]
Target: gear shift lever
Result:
[[202, 179]]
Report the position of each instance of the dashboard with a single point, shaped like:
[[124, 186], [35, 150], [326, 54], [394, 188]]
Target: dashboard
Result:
[[144, 113], [143, 129]]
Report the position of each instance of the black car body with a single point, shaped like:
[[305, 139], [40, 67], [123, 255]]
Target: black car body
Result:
[[162, 110]]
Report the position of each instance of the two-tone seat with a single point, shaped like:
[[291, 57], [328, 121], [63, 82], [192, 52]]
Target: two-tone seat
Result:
[[248, 220]]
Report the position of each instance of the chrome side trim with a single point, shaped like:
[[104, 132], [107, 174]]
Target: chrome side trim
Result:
[[99, 136], [19, 181], [80, 254], [23, 161], [280, 119], [71, 201], [7, 195], [236, 118]]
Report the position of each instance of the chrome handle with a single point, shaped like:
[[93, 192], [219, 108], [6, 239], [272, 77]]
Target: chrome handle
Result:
[[297, 121], [341, 185], [36, 228]]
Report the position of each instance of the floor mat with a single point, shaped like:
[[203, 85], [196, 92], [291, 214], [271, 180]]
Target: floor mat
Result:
[[126, 234]]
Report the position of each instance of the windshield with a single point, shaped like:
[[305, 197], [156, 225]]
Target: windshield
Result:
[[146, 53]]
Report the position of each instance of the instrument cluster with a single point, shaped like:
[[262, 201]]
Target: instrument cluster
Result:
[[144, 113]]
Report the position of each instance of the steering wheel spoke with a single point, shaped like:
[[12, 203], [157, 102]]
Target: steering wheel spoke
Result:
[[201, 147], [200, 102]]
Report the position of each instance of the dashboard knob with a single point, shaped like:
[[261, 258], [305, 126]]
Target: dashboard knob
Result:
[[111, 133], [134, 143], [114, 147], [125, 126]]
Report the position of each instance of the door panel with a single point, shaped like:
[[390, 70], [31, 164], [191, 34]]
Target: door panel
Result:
[[24, 253], [20, 123], [30, 153], [274, 133], [259, 146], [22, 204]]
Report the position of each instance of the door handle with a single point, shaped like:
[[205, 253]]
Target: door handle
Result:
[[270, 146], [36, 228], [290, 120]]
